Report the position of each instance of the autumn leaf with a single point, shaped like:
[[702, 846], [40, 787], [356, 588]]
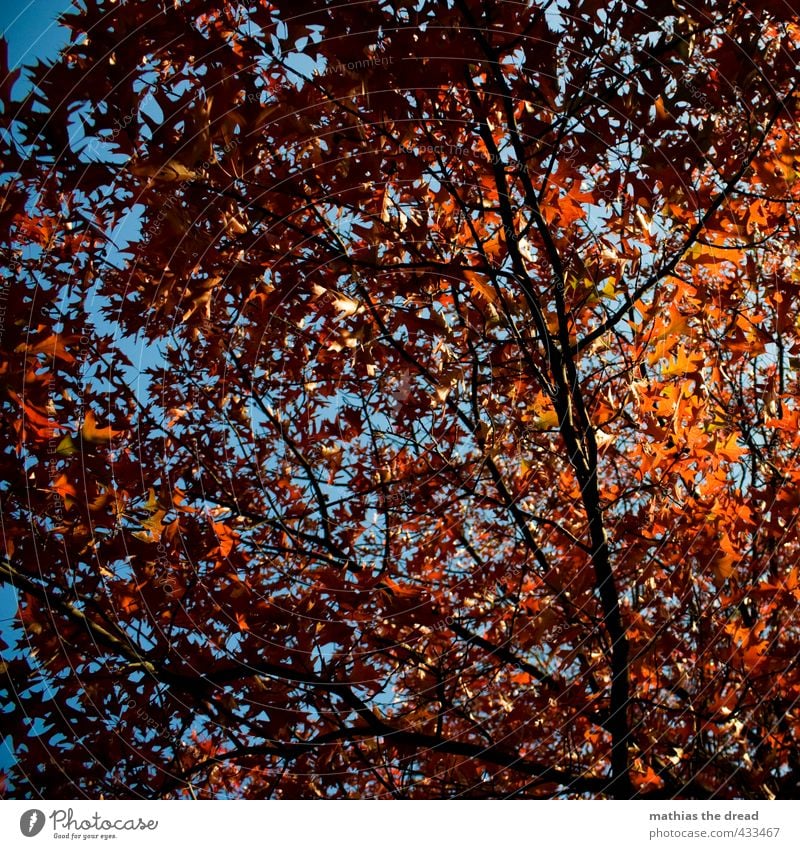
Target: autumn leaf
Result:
[[347, 306], [481, 287], [53, 346], [95, 435]]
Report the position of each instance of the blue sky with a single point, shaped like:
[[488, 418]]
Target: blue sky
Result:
[[31, 30]]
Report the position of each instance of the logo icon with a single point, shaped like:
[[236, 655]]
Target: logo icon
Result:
[[31, 822]]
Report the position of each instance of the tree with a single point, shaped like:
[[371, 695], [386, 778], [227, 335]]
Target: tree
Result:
[[401, 399]]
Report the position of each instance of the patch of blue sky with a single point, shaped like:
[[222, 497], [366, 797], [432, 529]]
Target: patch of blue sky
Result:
[[32, 31]]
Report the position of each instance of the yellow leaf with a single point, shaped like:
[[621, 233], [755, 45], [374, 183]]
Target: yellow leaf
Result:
[[347, 306], [95, 435], [719, 421], [67, 447], [546, 421], [152, 528]]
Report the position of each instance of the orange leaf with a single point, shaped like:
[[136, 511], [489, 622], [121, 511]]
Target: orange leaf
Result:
[[53, 346], [226, 538], [723, 567], [480, 286], [65, 489], [730, 449]]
